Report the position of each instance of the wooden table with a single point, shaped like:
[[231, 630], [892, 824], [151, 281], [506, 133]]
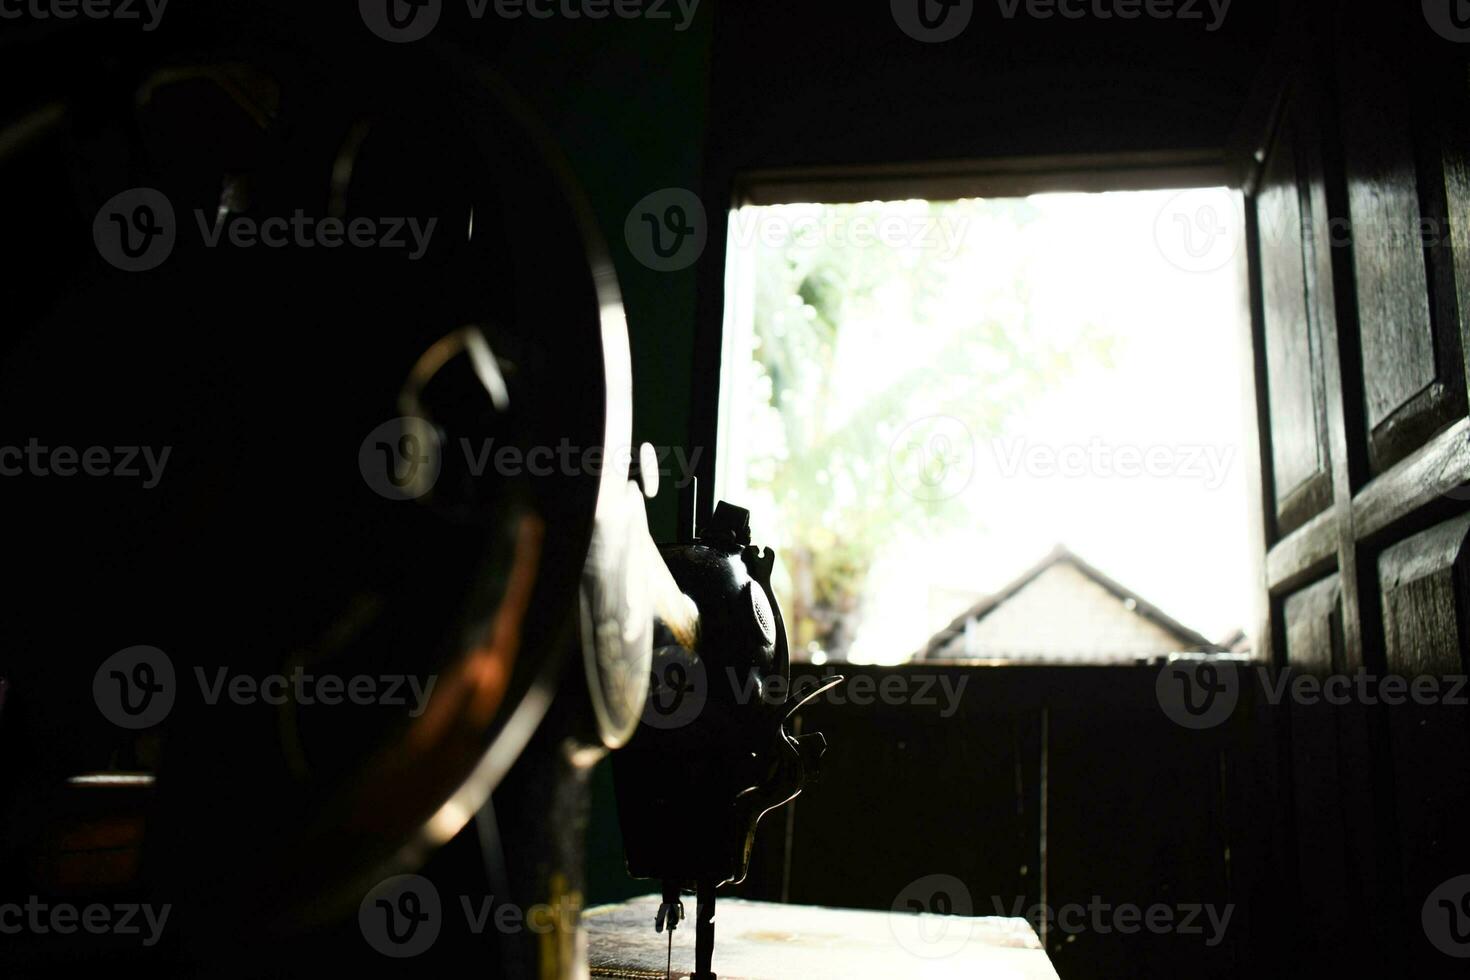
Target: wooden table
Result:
[[766, 941]]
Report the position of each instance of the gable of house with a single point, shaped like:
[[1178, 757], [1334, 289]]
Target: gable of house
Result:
[[1063, 610]]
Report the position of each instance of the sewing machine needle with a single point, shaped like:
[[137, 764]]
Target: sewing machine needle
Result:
[[669, 969]]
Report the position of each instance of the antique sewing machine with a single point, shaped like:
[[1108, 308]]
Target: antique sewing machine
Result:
[[329, 515], [714, 755]]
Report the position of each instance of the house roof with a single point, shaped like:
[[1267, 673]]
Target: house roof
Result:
[[1188, 639]]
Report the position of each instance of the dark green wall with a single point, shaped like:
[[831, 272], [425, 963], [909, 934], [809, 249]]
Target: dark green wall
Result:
[[626, 100]]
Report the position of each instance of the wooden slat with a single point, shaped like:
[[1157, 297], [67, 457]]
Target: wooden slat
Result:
[[1303, 554], [1439, 469]]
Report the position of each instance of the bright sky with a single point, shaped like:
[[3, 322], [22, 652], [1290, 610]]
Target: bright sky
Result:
[[1140, 467]]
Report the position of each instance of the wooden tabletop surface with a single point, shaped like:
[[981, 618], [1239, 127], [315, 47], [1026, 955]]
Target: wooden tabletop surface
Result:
[[767, 941]]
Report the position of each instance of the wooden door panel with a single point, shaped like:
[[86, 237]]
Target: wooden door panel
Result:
[[1393, 287], [1362, 281], [1425, 583], [1293, 353], [1449, 148], [1422, 582], [1330, 894], [1314, 627], [1413, 372]]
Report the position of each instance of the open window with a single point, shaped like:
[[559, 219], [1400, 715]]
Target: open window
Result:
[[974, 418]]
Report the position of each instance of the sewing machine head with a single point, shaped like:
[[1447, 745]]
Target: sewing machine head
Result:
[[713, 754]]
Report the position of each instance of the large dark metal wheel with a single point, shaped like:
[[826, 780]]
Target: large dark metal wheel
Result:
[[299, 526]]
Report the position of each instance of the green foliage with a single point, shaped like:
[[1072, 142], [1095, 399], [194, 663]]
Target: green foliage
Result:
[[852, 344]]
